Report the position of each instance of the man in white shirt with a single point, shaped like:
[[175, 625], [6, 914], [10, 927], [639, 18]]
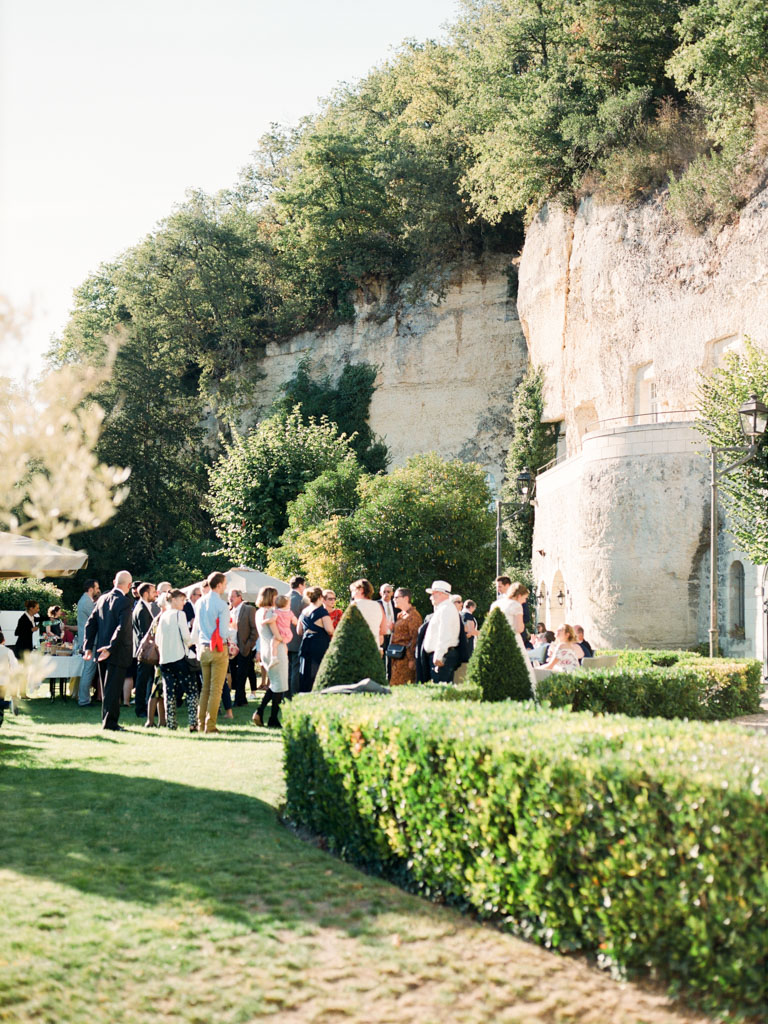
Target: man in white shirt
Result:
[[441, 640]]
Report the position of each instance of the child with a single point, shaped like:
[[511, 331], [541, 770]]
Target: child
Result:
[[284, 620]]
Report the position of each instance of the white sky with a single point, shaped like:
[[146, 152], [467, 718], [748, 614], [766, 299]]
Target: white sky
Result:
[[110, 109]]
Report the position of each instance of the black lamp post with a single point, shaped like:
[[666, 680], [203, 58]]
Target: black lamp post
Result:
[[753, 417], [525, 483]]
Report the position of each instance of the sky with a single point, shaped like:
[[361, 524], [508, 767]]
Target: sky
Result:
[[111, 109]]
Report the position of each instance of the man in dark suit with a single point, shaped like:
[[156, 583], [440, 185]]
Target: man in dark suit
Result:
[[109, 639], [26, 628], [144, 612], [296, 599], [243, 621]]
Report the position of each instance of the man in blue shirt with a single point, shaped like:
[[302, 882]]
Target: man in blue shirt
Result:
[[89, 597], [212, 611]]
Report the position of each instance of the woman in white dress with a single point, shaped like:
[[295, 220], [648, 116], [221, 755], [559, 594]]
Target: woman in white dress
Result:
[[361, 592], [277, 672], [511, 603]]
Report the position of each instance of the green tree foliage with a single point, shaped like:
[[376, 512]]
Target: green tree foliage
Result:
[[722, 59], [552, 86], [333, 494], [345, 403], [430, 519], [497, 664], [257, 475], [352, 655], [533, 445], [746, 489]]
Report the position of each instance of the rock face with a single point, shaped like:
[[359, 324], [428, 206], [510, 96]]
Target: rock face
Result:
[[624, 311], [448, 367]]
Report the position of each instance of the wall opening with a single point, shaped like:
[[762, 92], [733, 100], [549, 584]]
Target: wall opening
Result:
[[737, 618]]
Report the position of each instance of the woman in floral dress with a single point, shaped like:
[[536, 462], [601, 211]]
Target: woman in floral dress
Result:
[[406, 629]]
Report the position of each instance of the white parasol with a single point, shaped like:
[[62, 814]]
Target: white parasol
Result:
[[23, 556], [248, 581]]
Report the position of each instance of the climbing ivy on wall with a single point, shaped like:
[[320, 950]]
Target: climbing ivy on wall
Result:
[[533, 445], [346, 403]]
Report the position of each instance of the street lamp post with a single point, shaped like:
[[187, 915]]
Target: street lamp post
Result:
[[526, 484], [753, 417]]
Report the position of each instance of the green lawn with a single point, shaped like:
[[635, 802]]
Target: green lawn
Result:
[[146, 875]]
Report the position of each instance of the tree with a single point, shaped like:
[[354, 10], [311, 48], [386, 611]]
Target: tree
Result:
[[256, 476], [332, 495], [346, 403], [52, 481], [430, 519], [746, 489], [533, 444], [352, 655], [497, 664], [722, 59]]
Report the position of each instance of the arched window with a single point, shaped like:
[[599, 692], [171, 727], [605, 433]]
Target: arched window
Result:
[[736, 603]]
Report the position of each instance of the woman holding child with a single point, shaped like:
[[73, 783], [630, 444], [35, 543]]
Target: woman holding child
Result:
[[271, 640], [315, 629]]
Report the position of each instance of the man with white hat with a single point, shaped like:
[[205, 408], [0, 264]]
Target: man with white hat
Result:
[[441, 640]]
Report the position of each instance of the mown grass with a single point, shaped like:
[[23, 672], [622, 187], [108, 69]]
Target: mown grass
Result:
[[146, 875]]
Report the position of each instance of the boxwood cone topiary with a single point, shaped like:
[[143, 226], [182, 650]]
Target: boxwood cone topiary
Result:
[[497, 664], [353, 654]]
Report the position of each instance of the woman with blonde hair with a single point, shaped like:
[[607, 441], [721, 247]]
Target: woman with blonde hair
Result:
[[565, 654], [277, 671], [511, 602]]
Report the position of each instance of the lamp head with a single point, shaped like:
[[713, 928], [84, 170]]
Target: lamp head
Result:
[[753, 415], [525, 485]]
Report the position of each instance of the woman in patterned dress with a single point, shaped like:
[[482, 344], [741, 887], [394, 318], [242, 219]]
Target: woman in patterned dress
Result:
[[405, 632]]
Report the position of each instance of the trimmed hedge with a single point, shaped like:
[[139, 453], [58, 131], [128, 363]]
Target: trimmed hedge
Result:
[[497, 664], [14, 592], [643, 843], [451, 691], [697, 689]]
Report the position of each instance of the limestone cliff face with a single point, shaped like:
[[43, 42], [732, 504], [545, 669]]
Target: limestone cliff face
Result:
[[448, 366], [622, 309]]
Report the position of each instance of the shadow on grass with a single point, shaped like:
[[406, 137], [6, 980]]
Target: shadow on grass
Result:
[[156, 842], [55, 713]]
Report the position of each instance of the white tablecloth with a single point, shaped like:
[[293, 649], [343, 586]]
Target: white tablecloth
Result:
[[63, 668]]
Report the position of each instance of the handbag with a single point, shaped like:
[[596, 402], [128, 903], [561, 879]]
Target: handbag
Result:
[[148, 653], [396, 651], [193, 662]]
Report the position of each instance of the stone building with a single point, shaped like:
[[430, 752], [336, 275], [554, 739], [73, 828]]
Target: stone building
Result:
[[624, 313]]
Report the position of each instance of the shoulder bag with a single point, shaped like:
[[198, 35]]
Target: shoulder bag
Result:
[[148, 653], [396, 651]]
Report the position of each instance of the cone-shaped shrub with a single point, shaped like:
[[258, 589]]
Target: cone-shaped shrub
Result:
[[353, 654], [497, 665]]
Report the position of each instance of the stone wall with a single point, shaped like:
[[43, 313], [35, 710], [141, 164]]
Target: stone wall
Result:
[[447, 367], [614, 299], [621, 528]]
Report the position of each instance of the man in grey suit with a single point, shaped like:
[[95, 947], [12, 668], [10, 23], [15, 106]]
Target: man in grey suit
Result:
[[109, 640], [296, 598], [88, 599]]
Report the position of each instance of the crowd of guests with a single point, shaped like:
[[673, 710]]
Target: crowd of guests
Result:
[[207, 647]]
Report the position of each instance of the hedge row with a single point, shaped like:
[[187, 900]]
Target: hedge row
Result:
[[697, 689], [644, 843]]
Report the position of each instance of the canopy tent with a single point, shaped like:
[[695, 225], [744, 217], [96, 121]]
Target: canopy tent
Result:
[[23, 556], [248, 581]]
